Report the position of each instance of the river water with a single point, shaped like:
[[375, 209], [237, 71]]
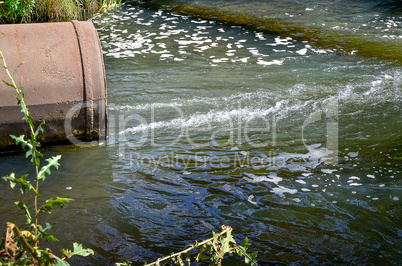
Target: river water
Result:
[[294, 143]]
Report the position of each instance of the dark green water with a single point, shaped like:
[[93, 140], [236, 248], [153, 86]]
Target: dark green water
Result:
[[296, 146]]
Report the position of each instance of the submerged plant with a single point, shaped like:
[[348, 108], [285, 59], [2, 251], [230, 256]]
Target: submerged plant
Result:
[[21, 246]]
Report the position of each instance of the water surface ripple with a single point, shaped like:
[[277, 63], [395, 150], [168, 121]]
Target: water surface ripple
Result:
[[296, 146]]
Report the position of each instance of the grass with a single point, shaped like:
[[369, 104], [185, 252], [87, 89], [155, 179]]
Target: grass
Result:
[[23, 11]]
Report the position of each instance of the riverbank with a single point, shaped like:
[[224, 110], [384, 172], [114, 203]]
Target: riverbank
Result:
[[27, 11]]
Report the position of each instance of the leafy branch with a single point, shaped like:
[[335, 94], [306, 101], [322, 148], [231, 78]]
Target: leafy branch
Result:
[[213, 249], [28, 240]]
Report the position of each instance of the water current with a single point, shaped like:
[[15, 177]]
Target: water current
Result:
[[294, 143]]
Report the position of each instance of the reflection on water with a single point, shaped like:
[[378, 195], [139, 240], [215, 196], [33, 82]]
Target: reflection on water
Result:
[[296, 146]]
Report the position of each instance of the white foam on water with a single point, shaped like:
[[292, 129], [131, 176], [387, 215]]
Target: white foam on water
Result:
[[269, 63], [355, 184], [250, 199], [204, 120], [258, 179], [279, 41], [302, 51], [328, 171], [353, 154], [301, 162], [281, 190]]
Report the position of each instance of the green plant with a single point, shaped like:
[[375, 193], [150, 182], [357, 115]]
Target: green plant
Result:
[[18, 11], [57, 10], [107, 5], [213, 250], [65, 10], [21, 246]]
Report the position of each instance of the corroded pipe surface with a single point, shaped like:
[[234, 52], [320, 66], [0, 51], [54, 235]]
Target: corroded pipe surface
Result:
[[63, 79]]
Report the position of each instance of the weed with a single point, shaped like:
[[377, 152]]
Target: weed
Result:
[[213, 250], [21, 246], [16, 11]]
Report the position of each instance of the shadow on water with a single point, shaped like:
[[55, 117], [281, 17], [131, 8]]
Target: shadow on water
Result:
[[319, 35]]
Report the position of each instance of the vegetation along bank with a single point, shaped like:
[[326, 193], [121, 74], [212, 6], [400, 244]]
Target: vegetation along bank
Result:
[[26, 11]]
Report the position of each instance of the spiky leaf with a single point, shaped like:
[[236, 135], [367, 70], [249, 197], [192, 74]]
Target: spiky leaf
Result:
[[25, 208], [8, 83], [203, 248], [225, 242], [78, 250], [46, 169], [250, 259], [48, 206], [46, 257], [39, 129], [61, 262], [22, 181], [23, 142], [15, 70], [245, 243], [44, 234]]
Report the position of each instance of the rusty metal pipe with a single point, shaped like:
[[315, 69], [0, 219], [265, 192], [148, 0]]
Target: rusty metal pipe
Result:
[[63, 78]]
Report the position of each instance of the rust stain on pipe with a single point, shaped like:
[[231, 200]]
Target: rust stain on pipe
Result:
[[63, 78]]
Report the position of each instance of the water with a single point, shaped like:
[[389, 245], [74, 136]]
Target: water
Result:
[[295, 145]]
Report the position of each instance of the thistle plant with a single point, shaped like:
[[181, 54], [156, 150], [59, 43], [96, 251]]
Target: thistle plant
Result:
[[22, 246], [212, 250]]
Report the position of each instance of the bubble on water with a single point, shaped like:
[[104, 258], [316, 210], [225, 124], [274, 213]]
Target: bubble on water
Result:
[[395, 198], [370, 176]]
